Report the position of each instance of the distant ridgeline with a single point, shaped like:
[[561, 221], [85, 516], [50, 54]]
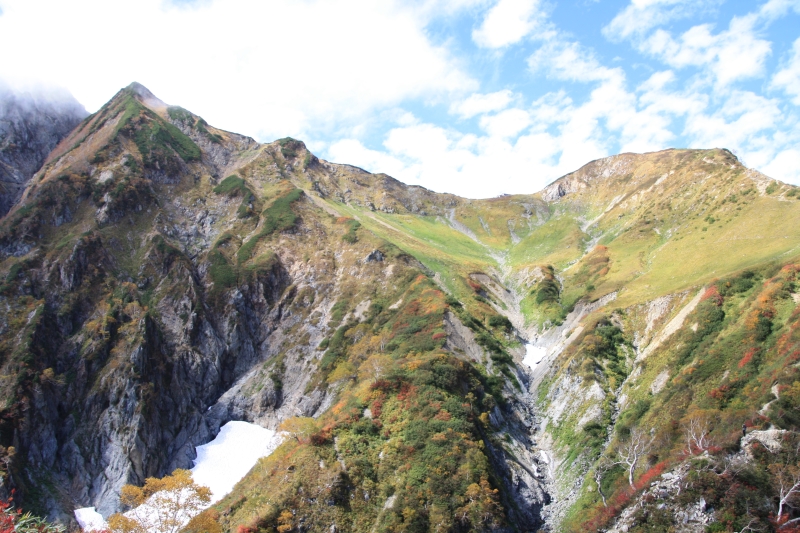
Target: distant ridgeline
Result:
[[617, 352]]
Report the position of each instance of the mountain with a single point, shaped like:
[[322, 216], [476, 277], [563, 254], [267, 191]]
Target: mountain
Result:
[[582, 358], [31, 124]]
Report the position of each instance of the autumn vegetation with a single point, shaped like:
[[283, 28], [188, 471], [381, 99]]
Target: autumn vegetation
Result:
[[743, 346], [402, 449]]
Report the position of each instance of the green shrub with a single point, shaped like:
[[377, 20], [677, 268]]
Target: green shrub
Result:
[[547, 291], [232, 186], [235, 186], [277, 217], [178, 113], [499, 321], [202, 127], [222, 273], [352, 227], [290, 147], [157, 139]]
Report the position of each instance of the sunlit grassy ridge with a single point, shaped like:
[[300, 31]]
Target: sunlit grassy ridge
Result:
[[669, 221]]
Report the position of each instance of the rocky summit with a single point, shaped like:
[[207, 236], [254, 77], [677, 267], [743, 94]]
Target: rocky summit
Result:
[[616, 352]]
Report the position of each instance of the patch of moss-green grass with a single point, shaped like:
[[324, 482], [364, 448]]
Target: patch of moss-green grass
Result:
[[180, 114], [277, 217], [222, 273], [232, 186], [290, 148], [236, 186], [352, 227], [155, 138], [202, 126]]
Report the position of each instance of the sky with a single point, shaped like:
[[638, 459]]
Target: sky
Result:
[[475, 97]]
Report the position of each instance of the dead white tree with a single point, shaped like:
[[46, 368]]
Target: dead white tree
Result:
[[631, 450], [787, 478], [697, 429], [600, 471]]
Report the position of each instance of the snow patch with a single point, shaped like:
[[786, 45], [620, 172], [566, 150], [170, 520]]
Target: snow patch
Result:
[[533, 355], [224, 461], [89, 519], [220, 464]]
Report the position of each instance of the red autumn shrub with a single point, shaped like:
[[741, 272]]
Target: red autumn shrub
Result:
[[747, 357]]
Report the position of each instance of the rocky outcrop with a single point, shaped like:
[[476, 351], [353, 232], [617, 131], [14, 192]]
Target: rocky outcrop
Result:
[[692, 518], [124, 406]]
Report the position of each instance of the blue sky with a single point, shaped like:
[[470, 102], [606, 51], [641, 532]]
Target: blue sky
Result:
[[475, 97]]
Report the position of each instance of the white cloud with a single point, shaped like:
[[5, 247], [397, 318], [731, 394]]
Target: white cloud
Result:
[[477, 103], [447, 160], [774, 9], [641, 16], [268, 73], [657, 95], [508, 22], [353, 152], [733, 54], [508, 123], [755, 127], [736, 124], [784, 166], [523, 148], [788, 78], [566, 60], [345, 74]]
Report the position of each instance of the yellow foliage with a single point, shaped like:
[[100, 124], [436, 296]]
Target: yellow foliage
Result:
[[205, 522], [414, 364], [299, 427], [344, 370], [285, 521], [161, 506], [792, 393]]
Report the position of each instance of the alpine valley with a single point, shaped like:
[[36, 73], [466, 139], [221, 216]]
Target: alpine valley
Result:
[[617, 352]]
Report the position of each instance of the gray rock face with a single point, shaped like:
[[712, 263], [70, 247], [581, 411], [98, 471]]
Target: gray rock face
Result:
[[104, 427], [31, 125]]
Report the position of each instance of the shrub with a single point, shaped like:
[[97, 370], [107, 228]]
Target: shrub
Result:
[[352, 227], [499, 321], [161, 505], [547, 291], [232, 186], [290, 147], [277, 217], [156, 139], [222, 273], [15, 521]]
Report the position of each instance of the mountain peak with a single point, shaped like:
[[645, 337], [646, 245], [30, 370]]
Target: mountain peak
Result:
[[140, 90], [144, 95]]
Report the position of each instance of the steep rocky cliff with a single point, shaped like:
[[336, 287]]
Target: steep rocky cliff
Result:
[[32, 123]]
